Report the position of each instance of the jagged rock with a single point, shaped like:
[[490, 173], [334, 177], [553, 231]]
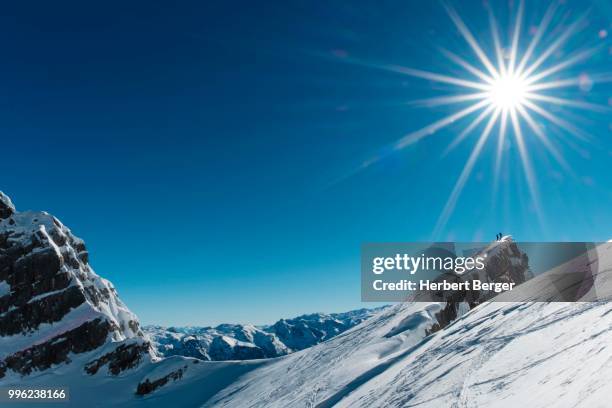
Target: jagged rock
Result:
[[51, 308], [52, 304], [508, 264], [6, 206], [89, 336], [148, 386], [124, 357], [505, 263]]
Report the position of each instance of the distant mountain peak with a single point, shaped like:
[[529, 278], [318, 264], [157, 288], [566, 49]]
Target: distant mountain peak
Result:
[[229, 341]]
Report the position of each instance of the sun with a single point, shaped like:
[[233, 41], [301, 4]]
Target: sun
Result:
[[508, 93]]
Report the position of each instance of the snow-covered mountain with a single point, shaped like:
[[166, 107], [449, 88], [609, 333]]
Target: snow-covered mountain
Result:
[[61, 325], [52, 304], [247, 342]]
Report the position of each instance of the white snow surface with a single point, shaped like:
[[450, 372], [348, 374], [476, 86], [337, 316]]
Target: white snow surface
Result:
[[504, 355]]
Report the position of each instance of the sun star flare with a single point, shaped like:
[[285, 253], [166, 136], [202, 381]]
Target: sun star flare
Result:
[[508, 93]]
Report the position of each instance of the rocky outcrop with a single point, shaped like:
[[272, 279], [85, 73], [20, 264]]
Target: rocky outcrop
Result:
[[53, 306], [122, 358], [88, 336], [148, 386], [505, 263]]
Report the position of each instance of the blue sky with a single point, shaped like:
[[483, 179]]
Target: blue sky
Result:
[[202, 149]]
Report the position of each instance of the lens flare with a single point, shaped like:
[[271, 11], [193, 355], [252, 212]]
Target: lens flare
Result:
[[506, 90]]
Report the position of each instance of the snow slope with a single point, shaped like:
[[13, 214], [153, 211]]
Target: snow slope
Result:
[[199, 381], [496, 355], [504, 355], [336, 366]]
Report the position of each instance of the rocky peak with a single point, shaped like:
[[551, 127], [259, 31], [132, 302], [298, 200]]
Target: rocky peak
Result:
[[52, 304], [505, 263], [6, 206]]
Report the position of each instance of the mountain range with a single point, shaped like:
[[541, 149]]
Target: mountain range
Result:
[[62, 325], [247, 342]]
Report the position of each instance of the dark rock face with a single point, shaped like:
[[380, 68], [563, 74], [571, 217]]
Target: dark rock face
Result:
[[506, 263], [46, 310], [445, 316], [52, 304], [509, 265], [124, 357], [148, 386], [87, 337]]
